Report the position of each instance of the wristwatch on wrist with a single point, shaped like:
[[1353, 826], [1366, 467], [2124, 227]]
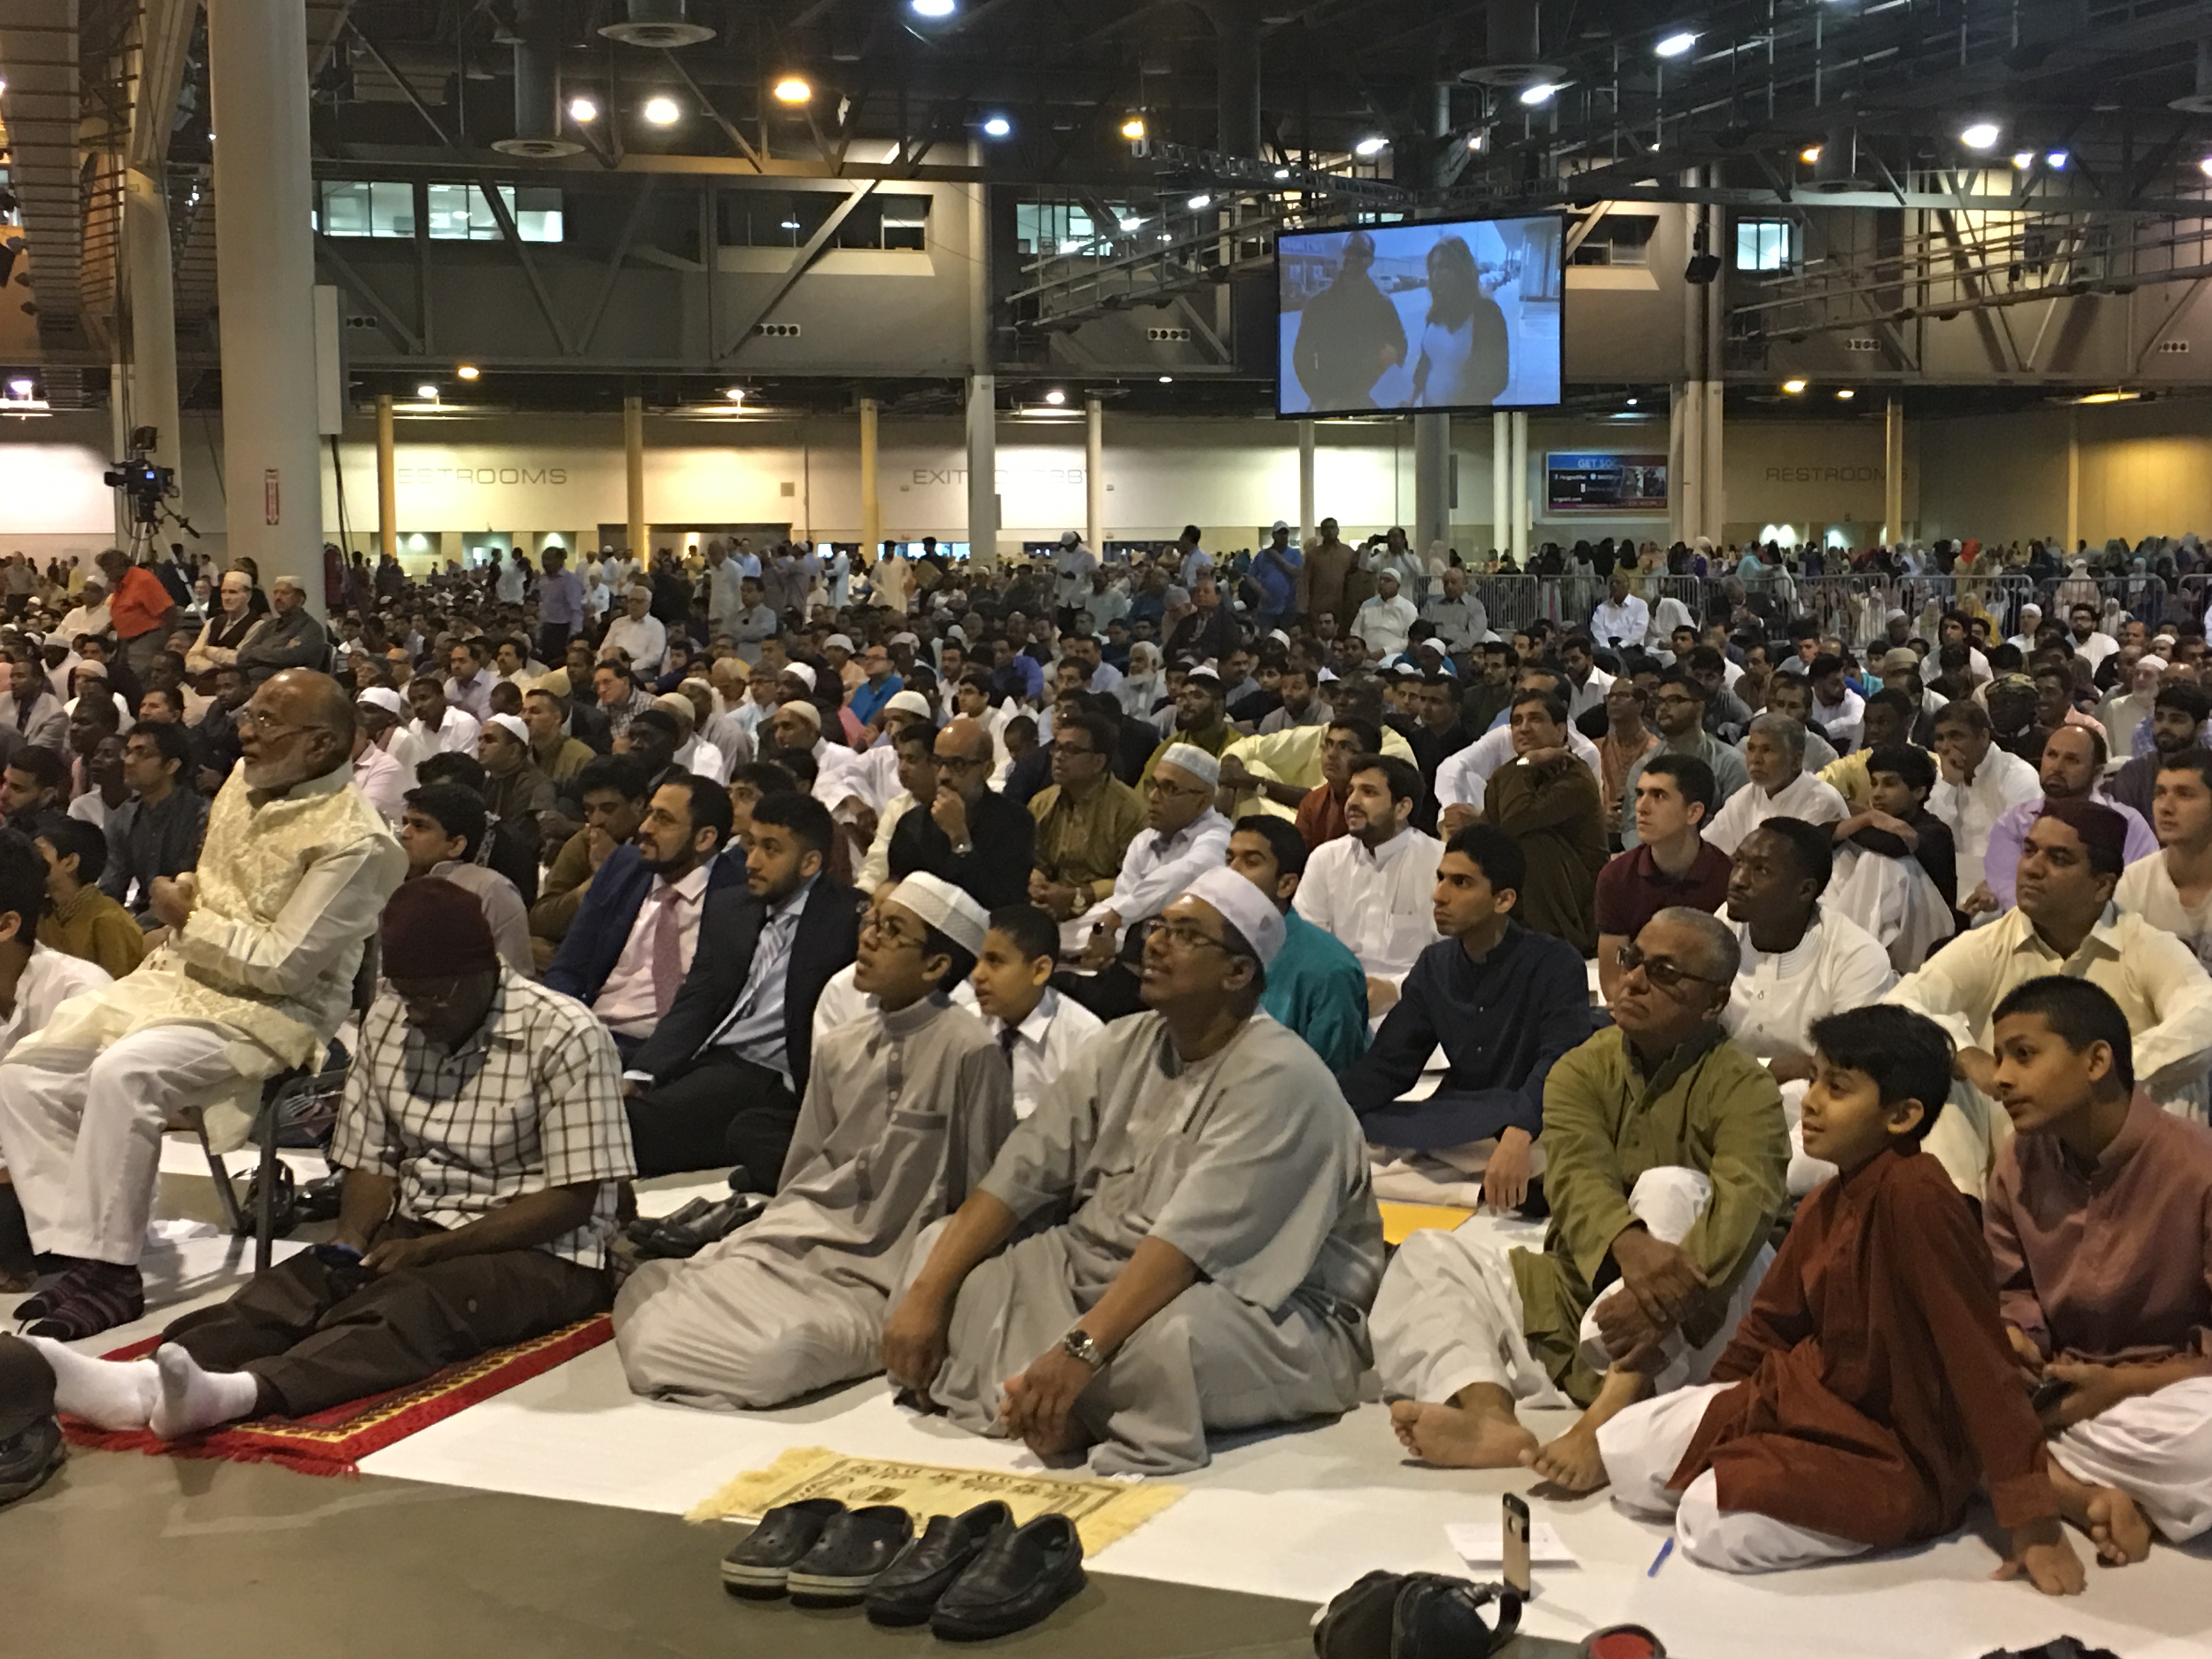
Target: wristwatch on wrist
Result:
[[1078, 1344]]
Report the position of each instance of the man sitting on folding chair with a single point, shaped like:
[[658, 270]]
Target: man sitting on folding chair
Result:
[[255, 976], [484, 1137]]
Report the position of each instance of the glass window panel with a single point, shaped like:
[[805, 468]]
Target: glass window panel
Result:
[[538, 216], [392, 210], [346, 210]]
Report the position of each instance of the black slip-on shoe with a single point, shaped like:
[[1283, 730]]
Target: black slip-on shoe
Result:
[[689, 1210], [671, 1241], [1018, 1577], [760, 1565], [852, 1554], [29, 1459], [925, 1570]]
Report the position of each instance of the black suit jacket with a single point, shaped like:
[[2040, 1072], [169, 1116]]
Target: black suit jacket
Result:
[[729, 927], [994, 870]]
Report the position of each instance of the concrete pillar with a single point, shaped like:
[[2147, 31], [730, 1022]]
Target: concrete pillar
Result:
[[1432, 482], [1518, 499], [872, 500], [634, 468], [1501, 475], [1307, 532], [1685, 460], [387, 478], [1716, 476], [983, 471], [151, 303], [1893, 471], [1093, 476], [2073, 481], [264, 285]]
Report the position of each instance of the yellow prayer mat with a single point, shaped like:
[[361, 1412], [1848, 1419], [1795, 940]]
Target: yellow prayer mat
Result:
[[1401, 1221], [1104, 1512]]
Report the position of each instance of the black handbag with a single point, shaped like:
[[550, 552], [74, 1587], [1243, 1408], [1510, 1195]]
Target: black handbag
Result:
[[1416, 1615]]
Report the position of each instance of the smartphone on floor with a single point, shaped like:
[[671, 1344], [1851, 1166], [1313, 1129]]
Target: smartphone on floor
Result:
[[1516, 1531]]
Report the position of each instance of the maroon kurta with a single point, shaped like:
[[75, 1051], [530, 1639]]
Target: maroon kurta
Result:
[[1875, 1386], [2113, 1263]]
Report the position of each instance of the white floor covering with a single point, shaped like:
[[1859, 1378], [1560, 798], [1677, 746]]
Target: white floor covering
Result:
[[1297, 1514]]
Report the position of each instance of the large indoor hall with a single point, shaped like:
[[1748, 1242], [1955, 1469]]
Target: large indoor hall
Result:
[[1165, 829]]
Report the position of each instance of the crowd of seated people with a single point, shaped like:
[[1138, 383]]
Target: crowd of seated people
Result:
[[1070, 955]]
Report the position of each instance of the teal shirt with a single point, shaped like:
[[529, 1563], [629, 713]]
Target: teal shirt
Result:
[[1316, 987]]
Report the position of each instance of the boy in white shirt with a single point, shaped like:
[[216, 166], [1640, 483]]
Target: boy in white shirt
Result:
[[1037, 1029]]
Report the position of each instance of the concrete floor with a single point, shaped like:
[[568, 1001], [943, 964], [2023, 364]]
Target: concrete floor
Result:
[[153, 1558]]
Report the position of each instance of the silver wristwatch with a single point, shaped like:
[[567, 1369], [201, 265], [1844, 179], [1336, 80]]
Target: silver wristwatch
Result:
[[1080, 1345]]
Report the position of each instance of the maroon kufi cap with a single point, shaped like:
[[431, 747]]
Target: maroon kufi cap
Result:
[[2103, 831], [434, 928]]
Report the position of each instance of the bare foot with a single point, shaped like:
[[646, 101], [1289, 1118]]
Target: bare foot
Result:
[[2108, 1515], [1070, 1442], [1571, 1462], [1454, 1439]]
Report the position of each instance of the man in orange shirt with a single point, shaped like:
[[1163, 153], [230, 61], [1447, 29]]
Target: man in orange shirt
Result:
[[139, 608]]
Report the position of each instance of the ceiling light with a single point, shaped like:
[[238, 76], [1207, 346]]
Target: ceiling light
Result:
[[932, 8], [1542, 93], [1793, 388], [1632, 403], [1371, 145], [736, 394], [2206, 164], [1675, 45], [2109, 397], [1281, 174], [1983, 135], [1478, 140], [1055, 397], [1809, 154], [468, 371], [1200, 203], [1127, 225], [428, 394], [789, 224], [662, 112], [1167, 380], [2056, 160], [2022, 160], [1133, 127], [997, 126], [582, 110], [1845, 393], [19, 388], [792, 90]]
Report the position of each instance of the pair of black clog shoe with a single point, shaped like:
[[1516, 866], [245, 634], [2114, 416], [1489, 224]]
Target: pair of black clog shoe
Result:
[[968, 1576], [687, 1230]]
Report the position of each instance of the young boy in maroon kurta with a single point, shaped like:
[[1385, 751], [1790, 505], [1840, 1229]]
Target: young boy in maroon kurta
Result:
[[1870, 1389]]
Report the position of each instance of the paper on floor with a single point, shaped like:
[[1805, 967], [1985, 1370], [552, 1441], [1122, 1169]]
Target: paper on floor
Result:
[[1482, 1544]]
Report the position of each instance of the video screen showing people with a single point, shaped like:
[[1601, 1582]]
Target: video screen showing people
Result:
[[1460, 315]]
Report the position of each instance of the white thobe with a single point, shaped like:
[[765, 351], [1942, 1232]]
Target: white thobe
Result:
[[1463, 777], [1155, 870], [2147, 888], [1803, 797], [1619, 626], [1970, 810], [1385, 624], [1378, 901], [456, 734]]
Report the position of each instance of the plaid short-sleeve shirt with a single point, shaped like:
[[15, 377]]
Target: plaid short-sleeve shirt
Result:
[[533, 1100]]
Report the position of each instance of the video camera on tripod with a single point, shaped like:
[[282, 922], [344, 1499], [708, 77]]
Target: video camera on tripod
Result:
[[146, 484]]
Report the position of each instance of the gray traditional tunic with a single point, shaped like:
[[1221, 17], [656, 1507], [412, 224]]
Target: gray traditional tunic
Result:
[[903, 1113], [1250, 1163]]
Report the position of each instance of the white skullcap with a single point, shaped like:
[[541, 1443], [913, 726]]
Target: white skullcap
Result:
[[1243, 906], [1069, 539], [1189, 757], [675, 703], [512, 725], [1278, 633], [905, 639], [1327, 677], [947, 908], [383, 697], [2153, 661], [2031, 606], [840, 642], [1894, 615], [910, 703], [803, 670], [805, 711]]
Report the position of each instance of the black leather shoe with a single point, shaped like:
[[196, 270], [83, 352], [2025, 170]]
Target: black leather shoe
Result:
[[1018, 1577], [668, 1241], [925, 1570], [852, 1554], [761, 1565], [689, 1210], [29, 1460]]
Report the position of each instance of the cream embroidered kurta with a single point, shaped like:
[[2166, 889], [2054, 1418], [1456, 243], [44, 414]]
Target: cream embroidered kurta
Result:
[[290, 889]]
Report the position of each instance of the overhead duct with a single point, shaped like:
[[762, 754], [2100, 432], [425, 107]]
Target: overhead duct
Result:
[[2198, 102], [537, 113], [1514, 56], [659, 24]]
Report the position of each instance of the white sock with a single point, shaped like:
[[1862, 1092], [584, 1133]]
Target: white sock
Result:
[[109, 1393], [191, 1400]]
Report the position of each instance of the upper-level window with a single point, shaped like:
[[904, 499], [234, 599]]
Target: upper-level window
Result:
[[455, 213], [1765, 244]]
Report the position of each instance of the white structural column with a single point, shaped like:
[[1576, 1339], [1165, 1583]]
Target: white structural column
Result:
[[983, 471], [1892, 471], [151, 303], [872, 500], [1306, 495], [1501, 472], [633, 478], [1432, 482], [1686, 460], [387, 478], [1716, 476], [265, 284], [1517, 499], [1093, 476]]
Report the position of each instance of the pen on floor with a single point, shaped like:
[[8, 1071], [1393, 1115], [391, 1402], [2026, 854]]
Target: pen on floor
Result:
[[1660, 1560]]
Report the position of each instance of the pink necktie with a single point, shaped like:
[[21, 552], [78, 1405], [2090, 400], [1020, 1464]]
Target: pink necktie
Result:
[[667, 951]]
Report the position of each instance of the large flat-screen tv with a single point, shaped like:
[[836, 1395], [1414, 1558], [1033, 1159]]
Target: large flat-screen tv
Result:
[[1463, 314]]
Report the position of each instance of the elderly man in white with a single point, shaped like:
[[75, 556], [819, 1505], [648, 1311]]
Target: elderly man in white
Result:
[[1623, 619], [1183, 837], [264, 941], [1781, 787], [637, 634], [1386, 621]]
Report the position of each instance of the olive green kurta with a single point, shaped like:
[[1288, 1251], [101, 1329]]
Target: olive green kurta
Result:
[[1081, 843], [1712, 1109]]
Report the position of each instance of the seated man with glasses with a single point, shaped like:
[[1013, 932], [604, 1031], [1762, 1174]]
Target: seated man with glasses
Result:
[[967, 833], [264, 938], [905, 1107], [1666, 1151], [1184, 836], [1218, 1243], [1086, 819]]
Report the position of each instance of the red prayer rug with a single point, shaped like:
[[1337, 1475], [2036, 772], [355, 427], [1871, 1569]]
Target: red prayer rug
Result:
[[334, 1441]]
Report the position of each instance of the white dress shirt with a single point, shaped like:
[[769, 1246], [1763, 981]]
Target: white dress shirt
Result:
[[697, 755], [50, 979], [1622, 625], [1378, 902], [1044, 1043], [1154, 872], [1776, 999], [1463, 777], [384, 781], [643, 638], [1589, 695], [1803, 797], [456, 734], [1842, 720], [1385, 624], [626, 1002], [1970, 810]]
